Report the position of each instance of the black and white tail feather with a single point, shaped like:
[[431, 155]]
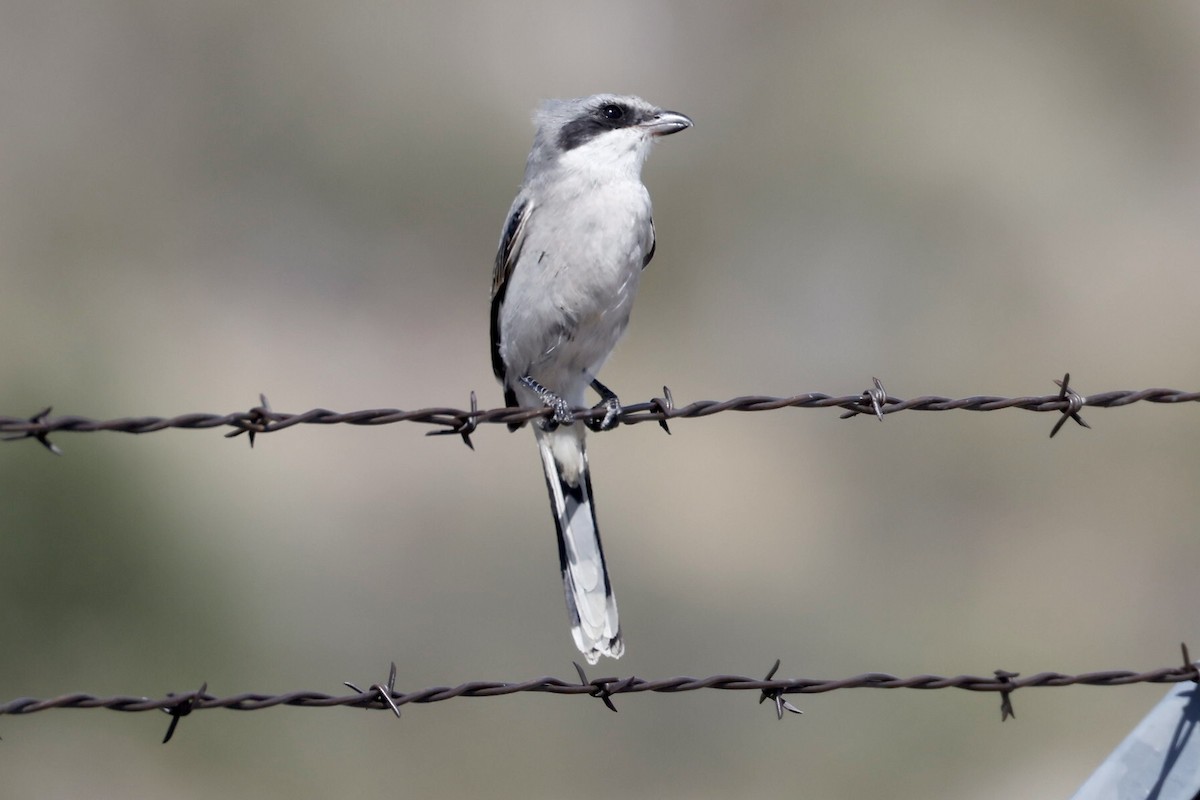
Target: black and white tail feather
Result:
[[571, 254], [591, 607]]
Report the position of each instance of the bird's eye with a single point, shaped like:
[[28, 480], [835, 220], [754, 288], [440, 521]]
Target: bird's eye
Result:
[[612, 112]]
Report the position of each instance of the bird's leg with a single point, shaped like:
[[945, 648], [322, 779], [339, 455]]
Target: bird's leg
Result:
[[562, 411], [611, 405]]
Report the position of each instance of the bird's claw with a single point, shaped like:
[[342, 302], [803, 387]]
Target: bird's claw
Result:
[[562, 411], [612, 410]]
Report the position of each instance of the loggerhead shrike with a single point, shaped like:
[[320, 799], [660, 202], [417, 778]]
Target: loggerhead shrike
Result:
[[572, 251]]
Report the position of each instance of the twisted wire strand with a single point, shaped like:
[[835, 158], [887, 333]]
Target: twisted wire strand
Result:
[[261, 419], [1004, 682]]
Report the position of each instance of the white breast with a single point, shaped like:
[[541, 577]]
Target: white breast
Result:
[[572, 289]]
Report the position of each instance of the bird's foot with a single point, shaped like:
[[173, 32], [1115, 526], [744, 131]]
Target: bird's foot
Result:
[[562, 411], [611, 405]]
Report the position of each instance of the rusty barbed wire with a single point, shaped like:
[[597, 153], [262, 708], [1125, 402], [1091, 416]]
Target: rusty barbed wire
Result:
[[384, 696], [262, 419]]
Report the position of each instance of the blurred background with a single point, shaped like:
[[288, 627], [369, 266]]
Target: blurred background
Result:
[[200, 202]]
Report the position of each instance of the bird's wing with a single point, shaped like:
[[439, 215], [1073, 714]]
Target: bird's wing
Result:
[[653, 244], [506, 259]]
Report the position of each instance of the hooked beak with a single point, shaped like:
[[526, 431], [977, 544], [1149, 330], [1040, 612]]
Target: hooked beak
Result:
[[665, 123]]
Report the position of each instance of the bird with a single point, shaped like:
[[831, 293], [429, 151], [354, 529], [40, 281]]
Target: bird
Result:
[[572, 250]]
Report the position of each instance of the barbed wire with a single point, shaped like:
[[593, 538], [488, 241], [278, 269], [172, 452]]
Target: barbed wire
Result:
[[464, 422], [383, 696], [262, 419]]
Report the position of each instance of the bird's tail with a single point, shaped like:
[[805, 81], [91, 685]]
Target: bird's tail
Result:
[[590, 601]]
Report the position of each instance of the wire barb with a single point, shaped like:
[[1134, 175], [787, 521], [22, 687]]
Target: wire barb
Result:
[[599, 687], [776, 695], [463, 427], [42, 436], [664, 405], [1006, 706], [1075, 402], [182, 708], [382, 692], [258, 421], [873, 399]]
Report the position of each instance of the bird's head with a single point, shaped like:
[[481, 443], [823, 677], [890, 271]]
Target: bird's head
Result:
[[601, 132]]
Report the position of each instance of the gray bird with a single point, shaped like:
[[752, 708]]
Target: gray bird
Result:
[[572, 251]]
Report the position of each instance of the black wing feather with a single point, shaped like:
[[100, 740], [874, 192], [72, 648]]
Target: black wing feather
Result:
[[506, 258], [653, 245]]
